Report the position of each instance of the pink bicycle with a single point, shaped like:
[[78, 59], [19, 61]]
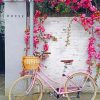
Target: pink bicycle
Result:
[[30, 85]]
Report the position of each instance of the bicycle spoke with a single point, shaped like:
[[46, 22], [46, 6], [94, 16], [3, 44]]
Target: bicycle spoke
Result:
[[87, 87], [19, 88]]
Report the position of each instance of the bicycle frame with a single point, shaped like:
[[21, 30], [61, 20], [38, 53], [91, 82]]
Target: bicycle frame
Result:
[[38, 74]]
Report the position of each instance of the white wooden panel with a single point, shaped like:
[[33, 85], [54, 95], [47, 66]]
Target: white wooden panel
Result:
[[14, 42]]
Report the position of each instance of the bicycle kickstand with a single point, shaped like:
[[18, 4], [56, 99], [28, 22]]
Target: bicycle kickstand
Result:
[[78, 95]]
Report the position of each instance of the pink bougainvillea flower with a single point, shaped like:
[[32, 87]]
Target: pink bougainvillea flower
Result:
[[83, 15], [86, 22], [93, 8], [35, 41], [1, 1], [26, 38], [36, 30], [62, 0], [98, 56], [41, 28], [97, 28], [47, 36], [91, 48], [82, 1], [74, 1], [92, 53], [39, 0], [36, 21], [85, 5], [37, 13], [74, 7], [45, 47], [68, 2], [79, 4], [75, 19], [53, 3], [88, 61]]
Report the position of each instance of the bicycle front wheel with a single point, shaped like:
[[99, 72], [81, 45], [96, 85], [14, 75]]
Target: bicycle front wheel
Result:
[[20, 87], [81, 86]]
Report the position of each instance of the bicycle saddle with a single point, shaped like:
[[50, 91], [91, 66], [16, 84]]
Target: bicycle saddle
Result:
[[67, 61]]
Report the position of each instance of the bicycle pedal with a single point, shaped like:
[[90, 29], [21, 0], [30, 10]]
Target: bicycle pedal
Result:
[[78, 95], [57, 95]]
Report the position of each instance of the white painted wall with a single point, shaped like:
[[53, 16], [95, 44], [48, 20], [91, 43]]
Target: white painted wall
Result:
[[14, 44]]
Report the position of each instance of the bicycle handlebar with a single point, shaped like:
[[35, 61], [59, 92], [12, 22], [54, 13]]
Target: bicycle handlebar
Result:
[[47, 53], [41, 54]]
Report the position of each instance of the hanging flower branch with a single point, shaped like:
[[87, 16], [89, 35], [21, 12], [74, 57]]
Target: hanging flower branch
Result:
[[96, 16], [93, 55], [68, 33], [88, 24], [39, 32], [91, 50]]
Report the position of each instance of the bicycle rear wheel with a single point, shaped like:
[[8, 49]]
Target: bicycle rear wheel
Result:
[[81, 87], [21, 85]]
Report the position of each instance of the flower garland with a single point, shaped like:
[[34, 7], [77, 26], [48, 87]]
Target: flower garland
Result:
[[91, 50], [88, 24], [39, 34], [93, 55]]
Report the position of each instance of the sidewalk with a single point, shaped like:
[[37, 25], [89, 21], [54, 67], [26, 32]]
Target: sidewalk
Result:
[[2, 84], [47, 97], [2, 87]]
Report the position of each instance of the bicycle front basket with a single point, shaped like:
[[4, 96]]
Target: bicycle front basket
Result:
[[30, 62]]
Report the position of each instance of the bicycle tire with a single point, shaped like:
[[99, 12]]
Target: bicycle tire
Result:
[[81, 82], [25, 82]]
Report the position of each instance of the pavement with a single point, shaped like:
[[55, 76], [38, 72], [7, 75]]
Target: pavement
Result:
[[2, 84], [45, 96]]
